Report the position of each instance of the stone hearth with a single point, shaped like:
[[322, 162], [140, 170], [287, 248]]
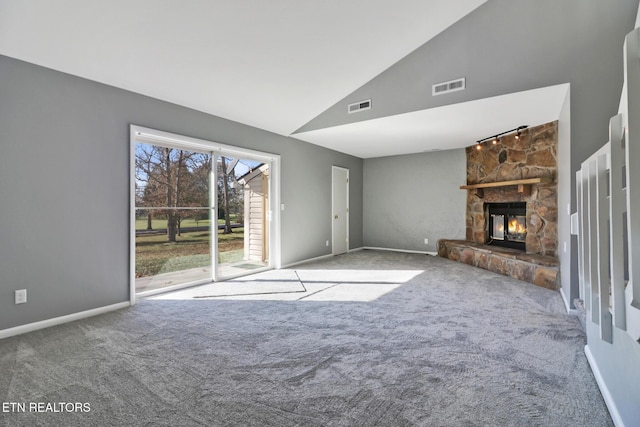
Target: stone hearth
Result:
[[531, 156], [537, 269]]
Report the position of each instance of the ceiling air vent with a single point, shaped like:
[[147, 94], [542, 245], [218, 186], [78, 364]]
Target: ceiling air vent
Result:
[[448, 87], [356, 107]]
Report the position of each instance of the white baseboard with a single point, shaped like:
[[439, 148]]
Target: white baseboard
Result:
[[567, 305], [304, 261], [407, 251], [604, 390], [319, 258], [30, 327]]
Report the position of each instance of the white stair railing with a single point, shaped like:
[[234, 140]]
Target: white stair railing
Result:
[[632, 154], [608, 197]]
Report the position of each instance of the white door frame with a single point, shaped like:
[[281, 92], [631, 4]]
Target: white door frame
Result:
[[156, 137], [334, 236]]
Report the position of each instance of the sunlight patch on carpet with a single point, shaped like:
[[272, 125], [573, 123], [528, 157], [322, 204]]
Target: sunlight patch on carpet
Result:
[[301, 285]]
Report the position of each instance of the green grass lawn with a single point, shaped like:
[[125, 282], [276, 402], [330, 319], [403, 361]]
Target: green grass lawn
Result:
[[161, 223], [155, 255]]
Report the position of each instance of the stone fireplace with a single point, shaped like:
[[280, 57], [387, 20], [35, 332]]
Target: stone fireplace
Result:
[[513, 160], [512, 207]]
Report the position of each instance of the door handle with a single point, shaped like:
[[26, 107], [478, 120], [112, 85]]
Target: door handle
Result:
[[335, 217]]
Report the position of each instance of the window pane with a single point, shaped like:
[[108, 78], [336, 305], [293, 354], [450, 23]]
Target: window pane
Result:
[[160, 262], [243, 226], [173, 238]]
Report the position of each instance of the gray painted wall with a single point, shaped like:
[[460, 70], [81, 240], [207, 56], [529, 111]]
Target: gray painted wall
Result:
[[504, 47], [64, 188], [507, 46], [410, 198]]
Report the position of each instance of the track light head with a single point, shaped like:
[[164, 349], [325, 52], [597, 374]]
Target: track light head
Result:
[[495, 139]]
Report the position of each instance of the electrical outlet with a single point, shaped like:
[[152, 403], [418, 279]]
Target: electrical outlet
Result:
[[327, 243], [20, 296], [426, 241]]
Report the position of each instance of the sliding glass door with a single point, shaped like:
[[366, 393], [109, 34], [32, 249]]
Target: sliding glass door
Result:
[[200, 213], [172, 216], [243, 206]]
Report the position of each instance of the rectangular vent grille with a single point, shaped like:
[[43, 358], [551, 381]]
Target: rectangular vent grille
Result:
[[448, 87], [356, 107]]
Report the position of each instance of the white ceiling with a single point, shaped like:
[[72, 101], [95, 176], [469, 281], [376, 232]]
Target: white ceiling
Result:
[[448, 127], [273, 64]]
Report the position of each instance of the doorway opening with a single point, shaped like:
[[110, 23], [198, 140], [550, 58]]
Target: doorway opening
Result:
[[201, 212]]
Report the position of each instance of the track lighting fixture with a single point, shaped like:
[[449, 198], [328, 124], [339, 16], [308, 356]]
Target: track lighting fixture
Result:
[[494, 139]]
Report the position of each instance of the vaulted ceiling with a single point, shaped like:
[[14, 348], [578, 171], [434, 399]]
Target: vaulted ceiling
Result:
[[274, 65]]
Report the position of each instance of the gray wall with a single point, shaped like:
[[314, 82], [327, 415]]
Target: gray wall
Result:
[[507, 46], [410, 198], [64, 188]]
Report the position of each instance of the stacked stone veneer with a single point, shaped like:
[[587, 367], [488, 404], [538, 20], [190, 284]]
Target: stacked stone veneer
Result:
[[532, 156], [538, 269]]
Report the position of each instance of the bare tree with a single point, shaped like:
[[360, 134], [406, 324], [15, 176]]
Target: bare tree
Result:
[[169, 180], [224, 173]]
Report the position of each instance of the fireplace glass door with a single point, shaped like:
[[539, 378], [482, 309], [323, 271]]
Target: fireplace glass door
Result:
[[507, 225], [497, 227], [517, 229]]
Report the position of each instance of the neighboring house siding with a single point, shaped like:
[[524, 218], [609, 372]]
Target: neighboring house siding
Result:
[[255, 195]]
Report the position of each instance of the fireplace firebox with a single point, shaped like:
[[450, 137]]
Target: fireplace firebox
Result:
[[507, 224]]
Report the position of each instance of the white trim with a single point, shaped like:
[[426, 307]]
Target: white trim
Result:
[[172, 140], [604, 390], [275, 227], [407, 251], [304, 261], [30, 327], [132, 214], [567, 306], [213, 220], [361, 248]]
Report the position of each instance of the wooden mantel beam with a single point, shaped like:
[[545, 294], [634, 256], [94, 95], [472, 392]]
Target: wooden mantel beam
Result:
[[519, 182], [524, 185]]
